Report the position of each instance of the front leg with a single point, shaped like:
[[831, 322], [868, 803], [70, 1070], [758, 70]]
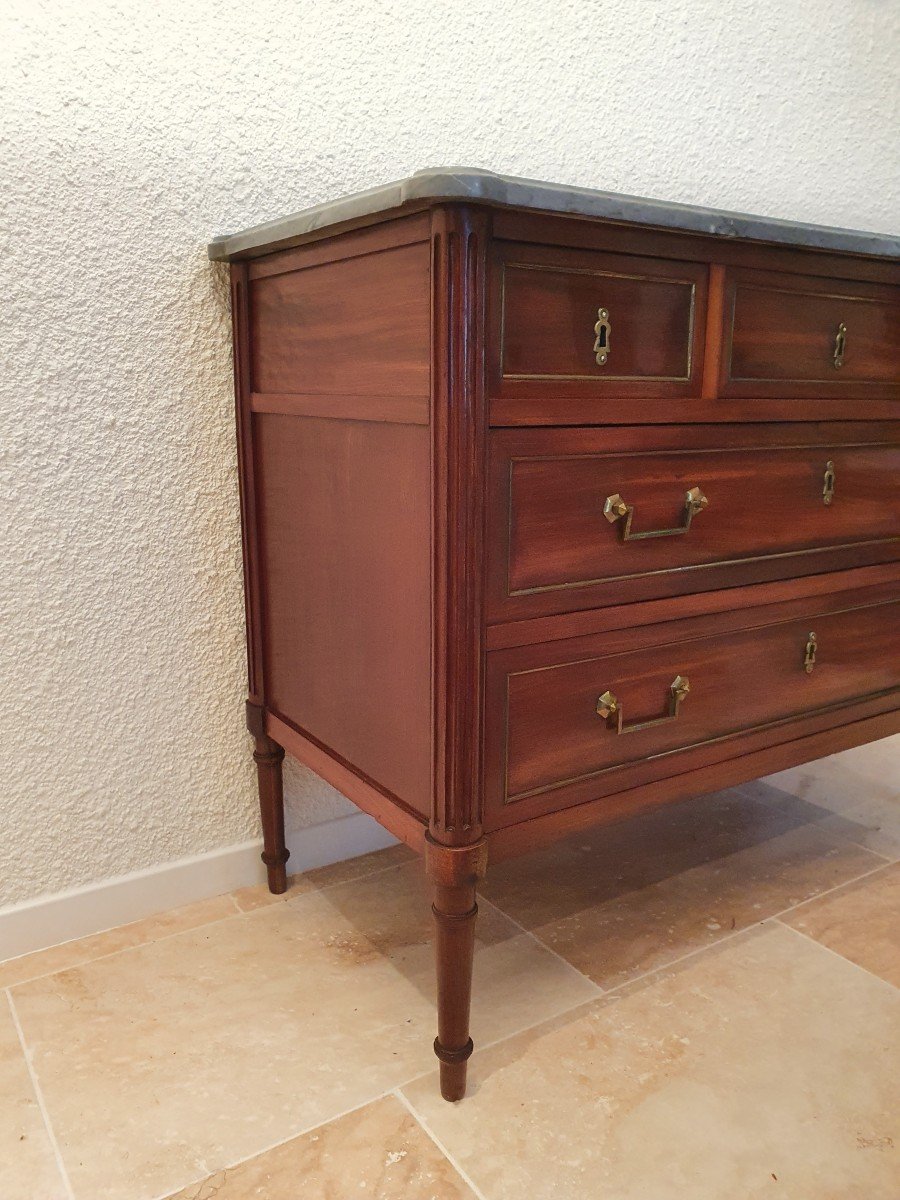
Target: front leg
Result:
[[454, 872]]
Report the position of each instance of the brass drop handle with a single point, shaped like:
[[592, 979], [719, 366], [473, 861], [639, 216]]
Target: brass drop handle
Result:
[[615, 508], [609, 707], [601, 336], [840, 345]]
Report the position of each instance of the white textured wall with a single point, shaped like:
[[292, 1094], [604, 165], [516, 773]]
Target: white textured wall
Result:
[[131, 132]]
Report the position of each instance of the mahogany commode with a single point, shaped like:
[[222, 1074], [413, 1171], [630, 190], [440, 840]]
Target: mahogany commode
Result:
[[558, 505]]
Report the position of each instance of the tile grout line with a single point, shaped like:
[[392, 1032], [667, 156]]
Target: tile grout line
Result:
[[746, 928], [394, 1090], [717, 941], [39, 1097], [842, 840], [303, 1132], [836, 954], [423, 1124], [543, 945], [818, 824], [498, 1041]]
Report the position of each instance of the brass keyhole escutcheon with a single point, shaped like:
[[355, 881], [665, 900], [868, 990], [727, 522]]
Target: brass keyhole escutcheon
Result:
[[809, 658], [840, 345], [828, 484], [601, 336]]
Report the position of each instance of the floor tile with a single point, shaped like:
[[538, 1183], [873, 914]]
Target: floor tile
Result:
[[633, 896], [123, 937], [855, 794], [28, 1168], [860, 921], [250, 898], [764, 1067], [204, 1048], [380, 1152]]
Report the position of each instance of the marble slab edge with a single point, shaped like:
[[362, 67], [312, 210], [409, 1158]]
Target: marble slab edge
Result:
[[486, 187]]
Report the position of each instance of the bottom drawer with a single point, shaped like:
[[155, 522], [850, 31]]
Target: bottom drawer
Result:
[[570, 722]]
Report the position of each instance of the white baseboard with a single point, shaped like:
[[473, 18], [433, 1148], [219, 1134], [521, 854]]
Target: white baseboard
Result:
[[79, 912]]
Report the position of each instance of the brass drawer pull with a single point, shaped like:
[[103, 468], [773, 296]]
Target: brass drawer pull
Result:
[[611, 710], [601, 336], [840, 345], [809, 657], [614, 508], [828, 483]]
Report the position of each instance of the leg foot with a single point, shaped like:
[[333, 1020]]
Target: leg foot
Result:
[[454, 874], [269, 756]]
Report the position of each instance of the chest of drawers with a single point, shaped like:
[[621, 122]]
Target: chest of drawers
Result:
[[558, 505]]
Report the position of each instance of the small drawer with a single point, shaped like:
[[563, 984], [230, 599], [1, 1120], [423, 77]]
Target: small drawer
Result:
[[582, 518], [796, 335], [577, 323], [568, 726]]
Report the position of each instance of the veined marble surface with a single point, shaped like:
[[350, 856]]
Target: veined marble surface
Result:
[[486, 187]]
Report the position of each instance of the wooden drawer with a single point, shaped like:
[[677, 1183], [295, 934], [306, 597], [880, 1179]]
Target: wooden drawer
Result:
[[547, 302], [798, 335], [553, 548], [547, 747]]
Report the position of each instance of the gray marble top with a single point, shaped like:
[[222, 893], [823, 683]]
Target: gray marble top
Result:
[[464, 183]]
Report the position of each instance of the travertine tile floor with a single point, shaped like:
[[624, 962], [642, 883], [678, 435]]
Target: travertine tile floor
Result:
[[700, 1004]]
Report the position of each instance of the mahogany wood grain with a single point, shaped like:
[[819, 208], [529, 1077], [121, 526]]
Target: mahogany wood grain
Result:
[[780, 333], [459, 465], [400, 410], [344, 528], [362, 239], [699, 604], [358, 326], [715, 324], [551, 549], [407, 826], [541, 409], [586, 233]]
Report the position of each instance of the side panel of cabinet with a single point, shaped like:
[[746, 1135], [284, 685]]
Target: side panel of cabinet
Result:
[[344, 519], [340, 353]]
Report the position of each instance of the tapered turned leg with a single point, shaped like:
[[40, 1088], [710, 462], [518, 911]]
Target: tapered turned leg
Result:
[[454, 873], [269, 756]]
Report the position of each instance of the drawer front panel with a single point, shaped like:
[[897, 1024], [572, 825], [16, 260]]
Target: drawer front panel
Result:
[[576, 322], [556, 742], [585, 517], [801, 335]]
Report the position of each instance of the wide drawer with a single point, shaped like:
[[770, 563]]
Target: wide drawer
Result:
[[583, 323], [796, 335], [581, 518], [570, 723]]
